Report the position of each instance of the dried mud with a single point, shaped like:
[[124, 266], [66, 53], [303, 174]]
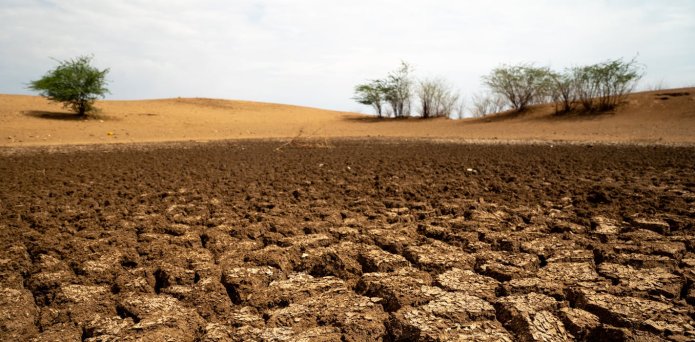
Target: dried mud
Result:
[[348, 241]]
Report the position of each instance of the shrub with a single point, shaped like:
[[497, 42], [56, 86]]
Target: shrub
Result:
[[484, 104], [603, 86], [563, 91], [521, 85], [437, 99]]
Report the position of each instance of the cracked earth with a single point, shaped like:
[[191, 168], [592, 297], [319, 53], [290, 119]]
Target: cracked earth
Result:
[[348, 241]]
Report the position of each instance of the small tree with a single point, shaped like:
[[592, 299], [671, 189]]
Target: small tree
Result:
[[436, 98], [521, 85], [460, 108], [398, 90], [75, 83], [371, 94], [564, 91], [484, 104], [603, 86]]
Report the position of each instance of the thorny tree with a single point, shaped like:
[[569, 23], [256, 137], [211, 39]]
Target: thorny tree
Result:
[[75, 83]]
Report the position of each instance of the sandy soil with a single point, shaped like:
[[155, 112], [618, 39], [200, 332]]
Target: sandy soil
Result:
[[659, 117]]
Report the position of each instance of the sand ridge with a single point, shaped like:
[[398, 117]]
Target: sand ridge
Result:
[[661, 117]]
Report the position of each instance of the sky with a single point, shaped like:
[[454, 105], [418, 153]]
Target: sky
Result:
[[313, 52]]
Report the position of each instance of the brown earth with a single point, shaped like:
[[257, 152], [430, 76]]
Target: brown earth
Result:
[[350, 240], [663, 117], [312, 236]]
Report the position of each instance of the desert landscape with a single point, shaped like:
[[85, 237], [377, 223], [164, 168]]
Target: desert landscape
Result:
[[658, 117], [195, 219]]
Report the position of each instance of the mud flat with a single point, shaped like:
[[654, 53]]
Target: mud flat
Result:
[[348, 240]]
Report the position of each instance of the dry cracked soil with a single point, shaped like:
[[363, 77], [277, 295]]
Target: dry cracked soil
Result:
[[348, 241]]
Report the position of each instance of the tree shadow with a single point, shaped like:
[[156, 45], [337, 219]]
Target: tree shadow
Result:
[[64, 116], [501, 116], [375, 119], [579, 115], [54, 115], [544, 112]]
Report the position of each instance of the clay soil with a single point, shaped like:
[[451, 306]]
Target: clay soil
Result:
[[355, 240]]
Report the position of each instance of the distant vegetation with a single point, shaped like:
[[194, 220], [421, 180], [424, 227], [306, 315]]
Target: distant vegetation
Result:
[[485, 103], [603, 86], [437, 99], [521, 85], [593, 88], [392, 96], [596, 88], [75, 83]]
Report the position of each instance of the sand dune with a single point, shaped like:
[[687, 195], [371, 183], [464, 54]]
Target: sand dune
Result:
[[666, 116]]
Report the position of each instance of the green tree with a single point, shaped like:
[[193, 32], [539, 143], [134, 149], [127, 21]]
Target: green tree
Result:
[[395, 90], [603, 86], [371, 94], [74, 83], [521, 85], [563, 91], [398, 90]]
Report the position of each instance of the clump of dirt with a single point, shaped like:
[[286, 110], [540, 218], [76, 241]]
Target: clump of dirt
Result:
[[360, 241]]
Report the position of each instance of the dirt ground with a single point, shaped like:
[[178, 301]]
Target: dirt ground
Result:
[[661, 117], [347, 240]]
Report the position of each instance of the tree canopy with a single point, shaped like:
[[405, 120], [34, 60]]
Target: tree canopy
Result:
[[521, 84], [75, 83]]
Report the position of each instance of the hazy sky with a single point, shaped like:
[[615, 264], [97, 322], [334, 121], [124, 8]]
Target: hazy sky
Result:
[[313, 52]]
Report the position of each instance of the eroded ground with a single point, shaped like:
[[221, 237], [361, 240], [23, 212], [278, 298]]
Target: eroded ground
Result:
[[350, 241]]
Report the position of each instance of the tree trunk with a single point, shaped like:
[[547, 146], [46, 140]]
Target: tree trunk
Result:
[[81, 108]]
